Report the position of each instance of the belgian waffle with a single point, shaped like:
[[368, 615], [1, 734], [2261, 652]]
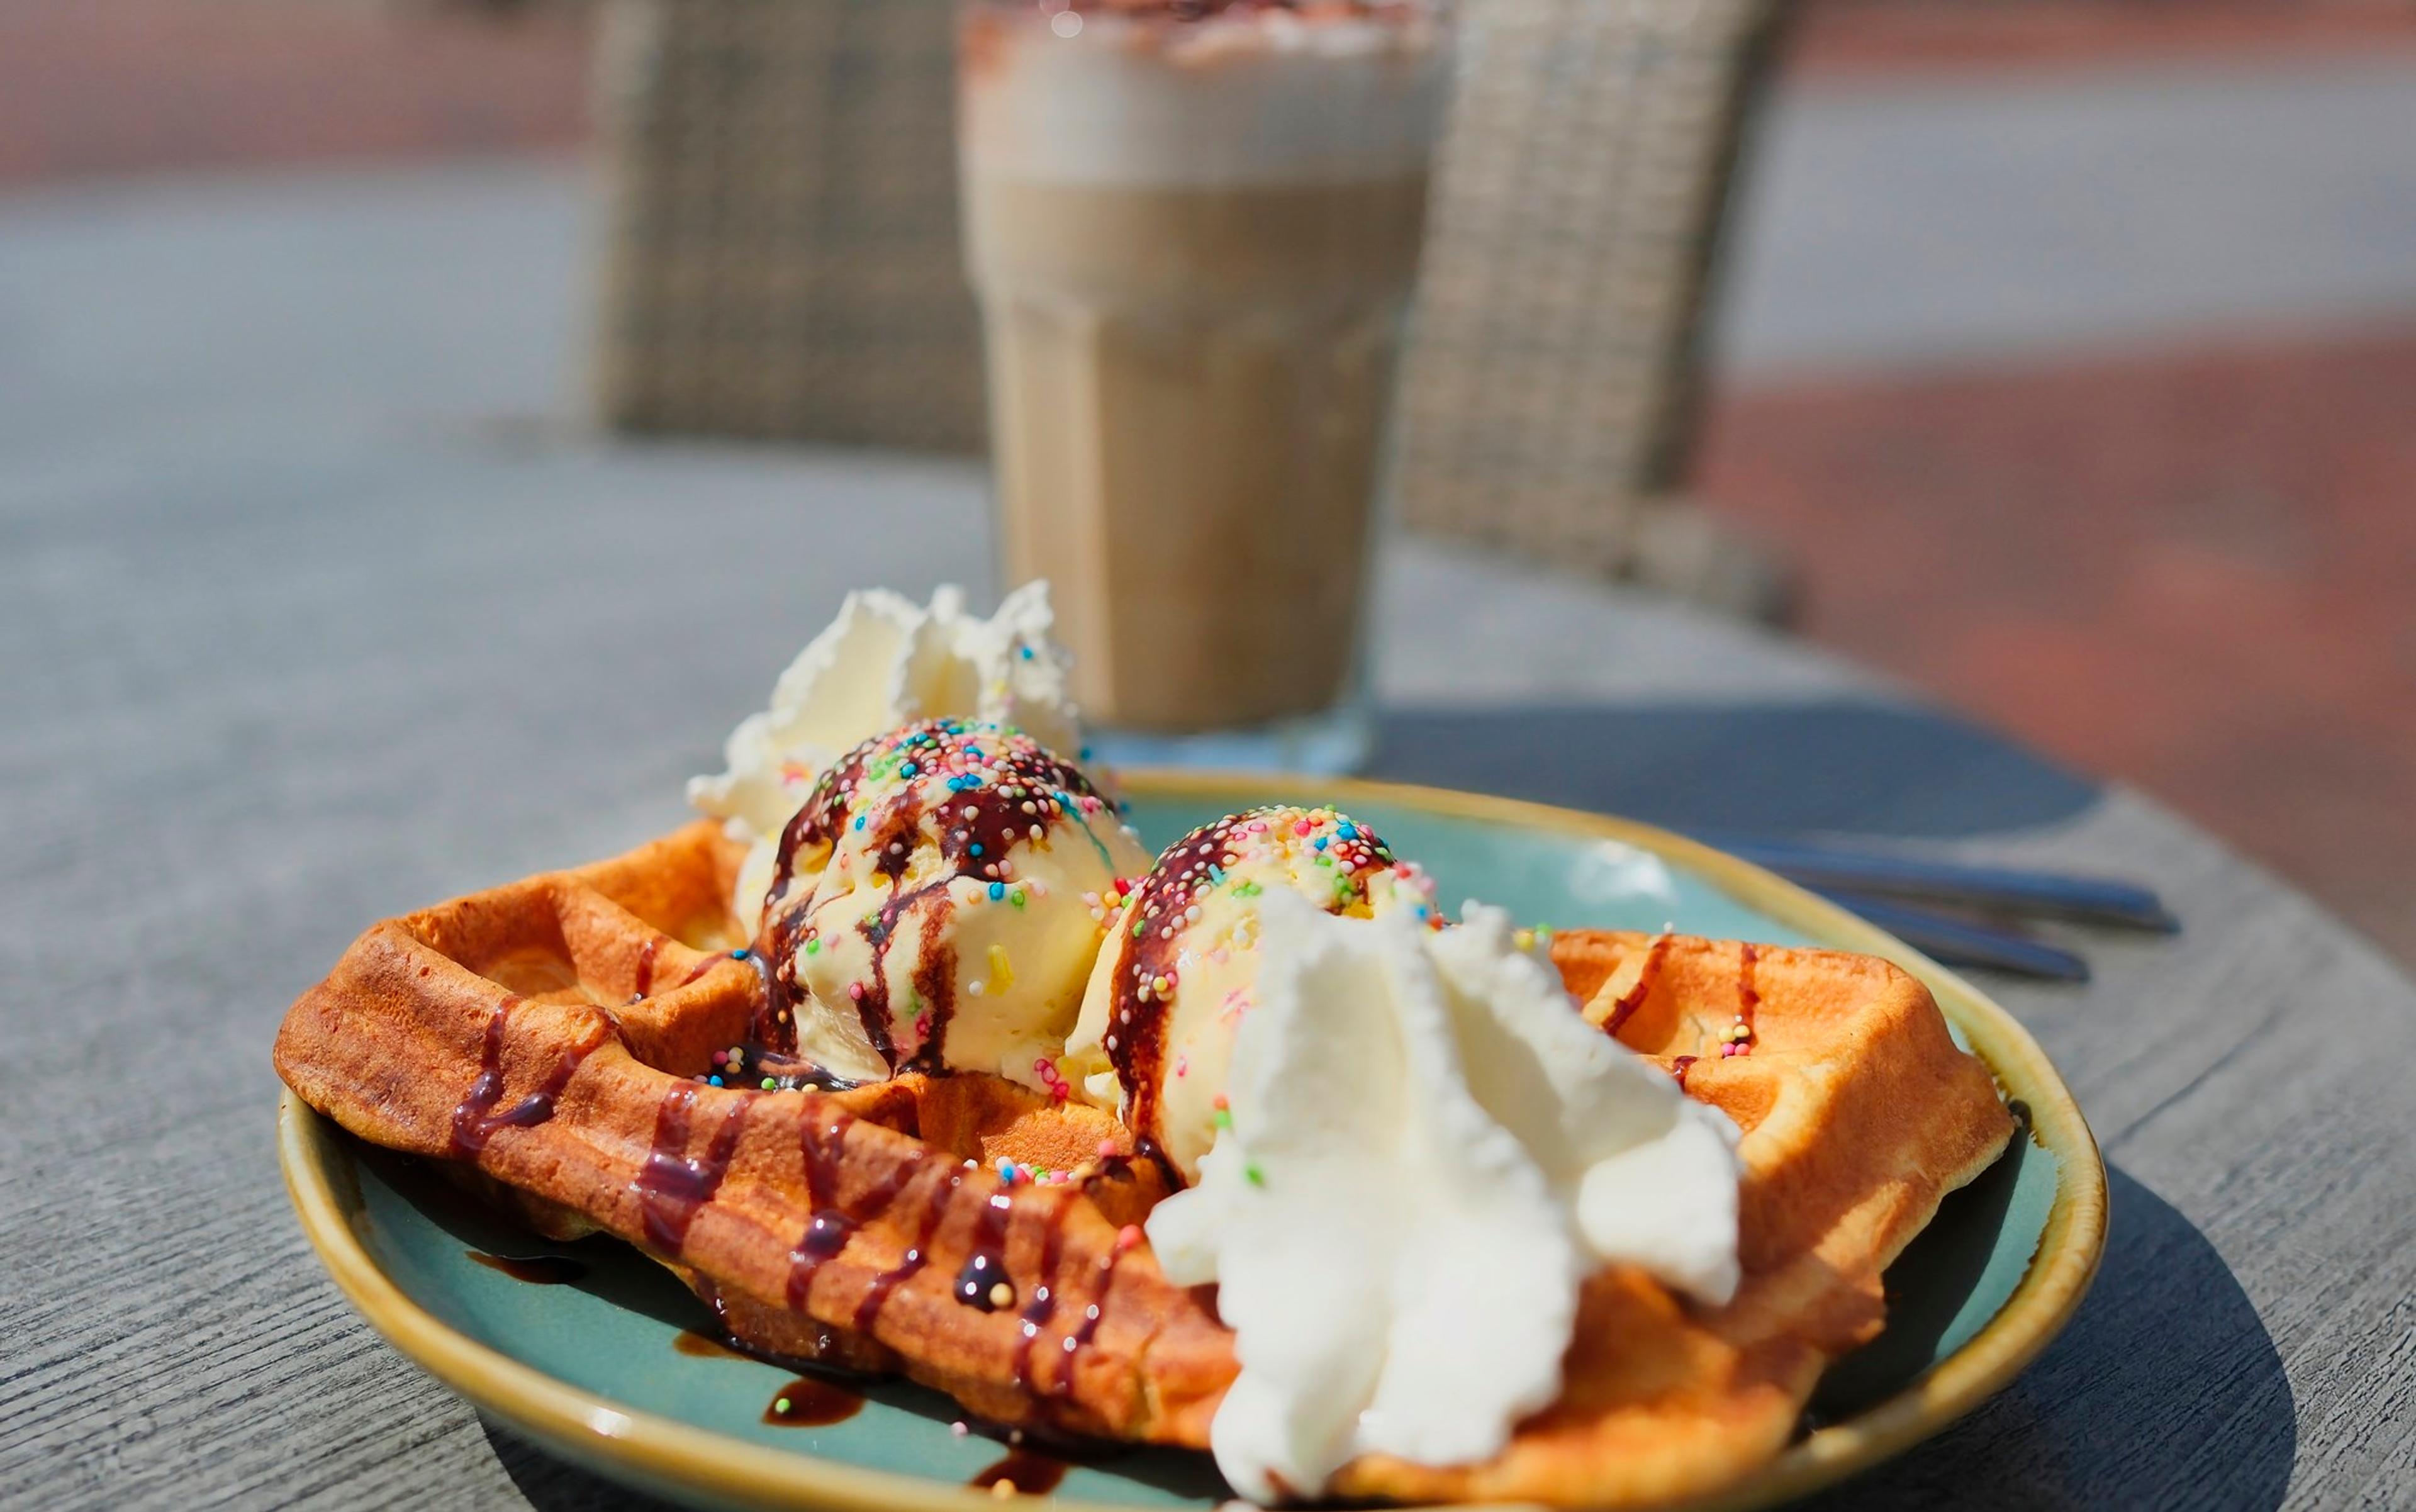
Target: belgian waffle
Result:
[[547, 1041]]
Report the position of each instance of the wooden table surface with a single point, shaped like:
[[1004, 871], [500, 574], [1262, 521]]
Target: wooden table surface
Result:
[[306, 621]]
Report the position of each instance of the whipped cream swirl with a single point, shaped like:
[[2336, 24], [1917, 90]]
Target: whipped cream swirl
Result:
[[1424, 1151], [883, 662]]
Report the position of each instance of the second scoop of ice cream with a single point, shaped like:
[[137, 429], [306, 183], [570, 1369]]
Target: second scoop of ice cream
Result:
[[1179, 968], [928, 914]]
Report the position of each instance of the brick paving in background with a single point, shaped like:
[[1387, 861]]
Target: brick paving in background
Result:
[[91, 87], [2194, 570], [1846, 39]]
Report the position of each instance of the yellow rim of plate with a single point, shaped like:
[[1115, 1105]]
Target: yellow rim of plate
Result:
[[670, 1454]]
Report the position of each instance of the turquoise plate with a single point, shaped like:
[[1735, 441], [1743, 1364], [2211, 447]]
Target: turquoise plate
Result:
[[592, 1364]]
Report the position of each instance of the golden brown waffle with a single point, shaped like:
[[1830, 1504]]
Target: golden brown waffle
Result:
[[545, 1038]]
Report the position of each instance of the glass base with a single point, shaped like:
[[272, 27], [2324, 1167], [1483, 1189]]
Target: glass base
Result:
[[1337, 741]]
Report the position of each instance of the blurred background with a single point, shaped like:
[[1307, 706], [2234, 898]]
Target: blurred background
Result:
[[2055, 356]]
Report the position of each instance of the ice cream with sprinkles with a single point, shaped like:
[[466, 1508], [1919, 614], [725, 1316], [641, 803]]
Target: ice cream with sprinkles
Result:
[[927, 910], [1179, 968]]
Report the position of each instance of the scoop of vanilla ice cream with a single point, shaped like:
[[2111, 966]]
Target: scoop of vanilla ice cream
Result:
[[927, 911], [1426, 1151], [885, 661], [1180, 968]]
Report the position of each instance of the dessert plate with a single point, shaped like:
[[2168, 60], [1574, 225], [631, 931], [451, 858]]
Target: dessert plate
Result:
[[591, 1350]]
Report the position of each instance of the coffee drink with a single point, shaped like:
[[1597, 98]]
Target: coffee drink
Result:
[[1194, 231]]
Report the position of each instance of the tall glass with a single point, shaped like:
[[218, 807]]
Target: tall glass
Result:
[[1193, 230]]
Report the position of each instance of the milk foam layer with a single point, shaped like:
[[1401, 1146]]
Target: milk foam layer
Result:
[[1240, 98]]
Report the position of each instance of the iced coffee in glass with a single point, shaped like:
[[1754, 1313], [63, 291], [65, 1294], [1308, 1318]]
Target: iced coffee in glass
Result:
[[1193, 230]]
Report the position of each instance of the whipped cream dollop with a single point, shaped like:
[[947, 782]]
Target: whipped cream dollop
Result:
[[1424, 1151], [883, 662]]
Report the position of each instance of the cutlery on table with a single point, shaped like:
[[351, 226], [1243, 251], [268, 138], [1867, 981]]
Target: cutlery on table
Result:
[[1888, 889]]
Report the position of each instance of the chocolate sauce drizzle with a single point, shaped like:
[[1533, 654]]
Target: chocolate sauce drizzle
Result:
[[1027, 1472], [1043, 1305], [645, 974], [807, 1403], [934, 984], [977, 826], [1678, 1068], [828, 1231], [821, 1143], [475, 1120], [776, 942], [1633, 997], [1136, 1038], [987, 1265], [1084, 1331], [918, 1253], [787, 1073], [673, 1187], [704, 1346], [831, 1226]]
